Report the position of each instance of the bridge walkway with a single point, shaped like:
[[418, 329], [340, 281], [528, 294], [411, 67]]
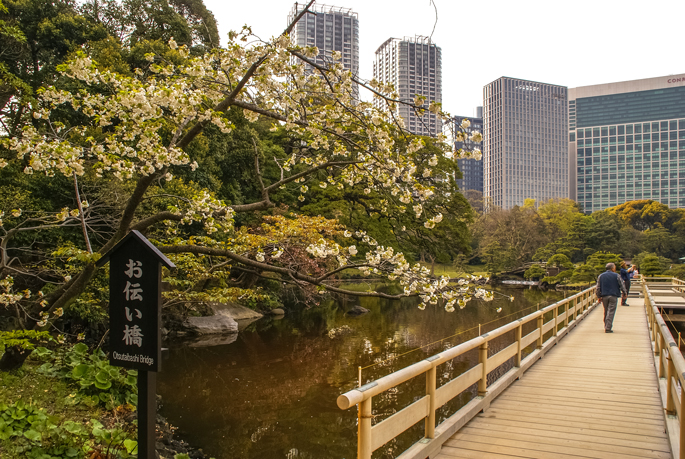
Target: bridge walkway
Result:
[[595, 396]]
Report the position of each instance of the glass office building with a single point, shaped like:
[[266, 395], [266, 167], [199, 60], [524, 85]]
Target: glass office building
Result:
[[627, 142], [525, 143], [471, 169]]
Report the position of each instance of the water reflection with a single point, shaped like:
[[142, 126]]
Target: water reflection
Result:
[[271, 393]]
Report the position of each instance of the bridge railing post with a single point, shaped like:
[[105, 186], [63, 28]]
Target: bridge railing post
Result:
[[519, 335], [483, 359], [430, 391], [575, 309], [556, 320], [662, 364], [364, 443], [567, 310], [540, 324], [670, 402]]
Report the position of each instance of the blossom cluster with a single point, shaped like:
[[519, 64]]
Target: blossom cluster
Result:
[[204, 207]]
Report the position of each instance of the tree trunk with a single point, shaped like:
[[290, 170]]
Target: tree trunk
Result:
[[432, 265], [13, 358]]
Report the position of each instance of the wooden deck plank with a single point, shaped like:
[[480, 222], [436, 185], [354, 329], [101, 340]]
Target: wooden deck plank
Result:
[[533, 431], [594, 395], [590, 449]]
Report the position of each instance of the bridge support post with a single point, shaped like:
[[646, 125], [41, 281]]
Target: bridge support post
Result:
[[430, 391], [541, 322], [364, 442], [483, 359]]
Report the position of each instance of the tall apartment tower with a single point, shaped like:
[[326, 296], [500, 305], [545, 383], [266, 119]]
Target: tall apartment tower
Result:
[[627, 142], [471, 169], [332, 28], [414, 67], [526, 148]]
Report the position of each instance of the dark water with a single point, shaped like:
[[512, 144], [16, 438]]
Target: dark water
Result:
[[272, 393]]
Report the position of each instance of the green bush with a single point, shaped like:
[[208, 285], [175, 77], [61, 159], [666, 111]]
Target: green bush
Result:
[[98, 382], [534, 272]]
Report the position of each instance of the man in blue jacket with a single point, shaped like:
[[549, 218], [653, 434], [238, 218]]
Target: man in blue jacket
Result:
[[609, 288]]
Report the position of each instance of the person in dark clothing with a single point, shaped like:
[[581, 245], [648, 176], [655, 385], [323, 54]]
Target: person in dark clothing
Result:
[[626, 274], [609, 288]]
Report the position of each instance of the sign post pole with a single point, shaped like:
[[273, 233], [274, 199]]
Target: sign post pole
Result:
[[147, 414], [135, 310]]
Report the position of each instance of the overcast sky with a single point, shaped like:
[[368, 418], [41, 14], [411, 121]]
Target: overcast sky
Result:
[[576, 43]]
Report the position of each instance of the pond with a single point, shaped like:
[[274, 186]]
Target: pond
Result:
[[272, 392]]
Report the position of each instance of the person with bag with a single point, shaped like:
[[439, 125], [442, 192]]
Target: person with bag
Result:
[[609, 288]]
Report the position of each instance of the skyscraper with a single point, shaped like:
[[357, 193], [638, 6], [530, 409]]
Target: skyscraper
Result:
[[332, 28], [414, 67], [526, 153], [471, 169], [627, 142]]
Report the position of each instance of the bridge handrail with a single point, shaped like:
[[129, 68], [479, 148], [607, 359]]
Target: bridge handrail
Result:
[[373, 437], [670, 365]]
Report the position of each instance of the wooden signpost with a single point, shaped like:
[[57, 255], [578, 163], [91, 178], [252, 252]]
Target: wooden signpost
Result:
[[135, 302]]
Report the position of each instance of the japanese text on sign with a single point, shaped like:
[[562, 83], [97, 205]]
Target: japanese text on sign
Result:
[[133, 336]]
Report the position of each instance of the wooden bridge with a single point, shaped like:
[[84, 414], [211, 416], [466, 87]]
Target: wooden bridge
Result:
[[595, 395]]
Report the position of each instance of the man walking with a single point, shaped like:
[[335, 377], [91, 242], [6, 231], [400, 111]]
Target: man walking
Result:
[[609, 288]]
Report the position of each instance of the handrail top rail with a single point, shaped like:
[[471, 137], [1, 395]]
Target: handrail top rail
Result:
[[673, 351], [360, 394]]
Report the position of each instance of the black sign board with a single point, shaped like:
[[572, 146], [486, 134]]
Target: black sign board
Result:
[[135, 276]]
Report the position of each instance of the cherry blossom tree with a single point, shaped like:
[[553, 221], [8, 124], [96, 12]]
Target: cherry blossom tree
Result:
[[139, 130]]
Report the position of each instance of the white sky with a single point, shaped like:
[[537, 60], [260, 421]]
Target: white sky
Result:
[[575, 43]]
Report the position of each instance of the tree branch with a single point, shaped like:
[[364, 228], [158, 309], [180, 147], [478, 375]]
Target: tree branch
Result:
[[230, 99], [198, 250], [144, 224]]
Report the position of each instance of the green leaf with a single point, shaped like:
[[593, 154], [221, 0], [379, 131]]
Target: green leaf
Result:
[[103, 377], [73, 427], [130, 445], [32, 435], [80, 348], [103, 386], [80, 371], [91, 401], [42, 352], [71, 452], [181, 456], [6, 432]]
